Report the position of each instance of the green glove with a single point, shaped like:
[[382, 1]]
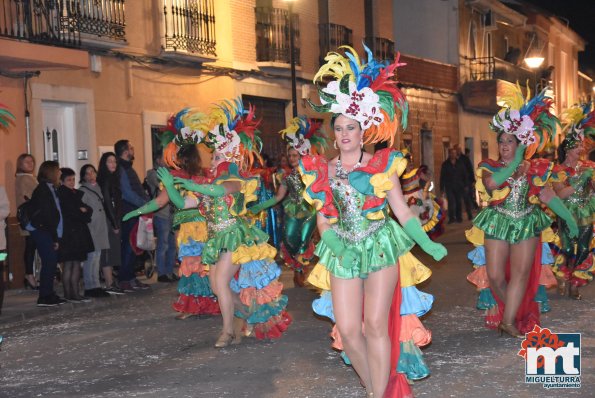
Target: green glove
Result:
[[168, 182], [262, 206], [150, 207], [502, 175], [561, 211], [347, 256], [206, 189], [415, 231]]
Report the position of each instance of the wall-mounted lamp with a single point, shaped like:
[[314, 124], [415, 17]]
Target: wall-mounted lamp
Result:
[[533, 57]]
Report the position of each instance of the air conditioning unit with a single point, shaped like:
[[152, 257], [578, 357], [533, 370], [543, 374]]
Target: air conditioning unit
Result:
[[489, 21]]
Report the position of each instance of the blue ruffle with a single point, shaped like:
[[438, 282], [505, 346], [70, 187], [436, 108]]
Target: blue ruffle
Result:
[[411, 361], [191, 248], [415, 302], [546, 254], [264, 312], [477, 256], [541, 298], [323, 305], [195, 285], [257, 273], [486, 300]]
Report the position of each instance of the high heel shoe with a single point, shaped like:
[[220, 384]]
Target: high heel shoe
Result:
[[562, 286], [29, 285], [573, 293], [224, 340], [510, 330]]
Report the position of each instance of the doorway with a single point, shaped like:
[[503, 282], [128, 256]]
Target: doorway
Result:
[[59, 135], [427, 149]]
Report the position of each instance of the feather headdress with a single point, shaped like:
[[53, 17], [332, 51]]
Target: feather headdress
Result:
[[6, 117], [366, 92], [187, 127], [234, 133], [529, 119], [579, 122], [305, 135]]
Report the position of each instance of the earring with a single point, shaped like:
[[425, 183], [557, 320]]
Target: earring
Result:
[[335, 144], [361, 143]]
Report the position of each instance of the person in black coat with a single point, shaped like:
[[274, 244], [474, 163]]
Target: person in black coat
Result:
[[453, 180], [76, 240], [46, 228]]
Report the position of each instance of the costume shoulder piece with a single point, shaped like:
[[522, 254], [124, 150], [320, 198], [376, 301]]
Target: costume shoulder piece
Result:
[[317, 192], [373, 180], [229, 172], [496, 196]]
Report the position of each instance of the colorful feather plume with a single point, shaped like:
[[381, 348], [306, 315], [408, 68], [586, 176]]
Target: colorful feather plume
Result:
[[579, 122], [187, 127], [305, 136], [6, 117]]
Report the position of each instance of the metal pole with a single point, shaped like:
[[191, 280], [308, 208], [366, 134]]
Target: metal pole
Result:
[[292, 62], [27, 116]]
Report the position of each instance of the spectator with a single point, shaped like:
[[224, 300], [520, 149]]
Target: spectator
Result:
[[46, 228], [162, 223], [133, 197], [4, 211], [25, 183], [469, 181], [471, 173], [108, 178], [76, 240], [93, 198], [453, 177]]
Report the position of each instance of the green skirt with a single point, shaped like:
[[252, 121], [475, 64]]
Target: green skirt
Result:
[[380, 250], [498, 226]]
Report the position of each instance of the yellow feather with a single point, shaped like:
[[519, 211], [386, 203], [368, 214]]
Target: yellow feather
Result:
[[511, 96]]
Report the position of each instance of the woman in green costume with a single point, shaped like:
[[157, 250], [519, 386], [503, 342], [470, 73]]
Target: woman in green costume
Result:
[[576, 192], [303, 136]]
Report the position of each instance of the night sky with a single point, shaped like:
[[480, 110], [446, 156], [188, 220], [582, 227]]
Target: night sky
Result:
[[581, 15]]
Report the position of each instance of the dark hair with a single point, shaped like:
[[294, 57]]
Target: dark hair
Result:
[[189, 159], [47, 170], [66, 172], [120, 147], [103, 172], [501, 133], [336, 115], [20, 160], [84, 171]]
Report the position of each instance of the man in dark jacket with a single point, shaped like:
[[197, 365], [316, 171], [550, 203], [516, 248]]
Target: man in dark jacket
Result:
[[133, 196], [453, 179]]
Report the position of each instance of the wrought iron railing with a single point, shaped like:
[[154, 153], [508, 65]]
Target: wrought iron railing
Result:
[[381, 47], [272, 35], [61, 22], [332, 36], [190, 26], [491, 68]]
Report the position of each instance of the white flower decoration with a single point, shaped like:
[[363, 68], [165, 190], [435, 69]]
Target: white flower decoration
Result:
[[361, 105], [515, 124], [299, 143], [227, 144]]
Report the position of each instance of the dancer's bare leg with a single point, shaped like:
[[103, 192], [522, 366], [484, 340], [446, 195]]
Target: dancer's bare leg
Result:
[[225, 271], [348, 297], [379, 289], [497, 253], [522, 256]]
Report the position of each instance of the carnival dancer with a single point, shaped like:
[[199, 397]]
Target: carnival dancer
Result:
[[420, 199], [233, 245], [576, 191], [303, 136], [364, 254], [184, 133], [511, 225]]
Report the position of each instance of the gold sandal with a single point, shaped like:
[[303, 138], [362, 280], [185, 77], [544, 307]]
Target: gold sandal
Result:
[[224, 340], [510, 330]]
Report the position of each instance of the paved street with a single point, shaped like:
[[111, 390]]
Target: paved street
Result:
[[131, 346]]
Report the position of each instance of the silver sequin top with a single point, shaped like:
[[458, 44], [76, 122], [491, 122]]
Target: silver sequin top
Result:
[[352, 225], [516, 204], [295, 186]]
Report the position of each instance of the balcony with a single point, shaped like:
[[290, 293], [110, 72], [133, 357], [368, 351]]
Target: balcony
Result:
[[331, 36], [272, 37], [189, 29], [382, 48]]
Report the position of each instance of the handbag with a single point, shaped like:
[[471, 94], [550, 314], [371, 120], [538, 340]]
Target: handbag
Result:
[[145, 236]]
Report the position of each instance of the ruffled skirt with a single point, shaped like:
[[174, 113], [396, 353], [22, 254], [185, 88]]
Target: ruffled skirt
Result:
[[496, 225]]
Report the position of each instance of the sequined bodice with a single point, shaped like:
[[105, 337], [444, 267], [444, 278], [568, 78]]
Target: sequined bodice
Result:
[[580, 196], [217, 213], [352, 225], [295, 186], [516, 204]]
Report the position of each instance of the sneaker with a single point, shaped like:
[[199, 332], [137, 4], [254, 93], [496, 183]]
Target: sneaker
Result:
[[126, 287], [60, 300], [48, 301], [96, 292], [174, 277], [138, 285], [114, 289], [84, 299], [164, 278]]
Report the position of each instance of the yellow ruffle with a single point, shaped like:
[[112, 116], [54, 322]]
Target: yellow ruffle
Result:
[[320, 277], [244, 254], [432, 222], [381, 181], [248, 189], [412, 271], [548, 235], [197, 230], [495, 195], [475, 236]]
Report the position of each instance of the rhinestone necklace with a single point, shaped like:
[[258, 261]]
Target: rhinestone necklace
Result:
[[343, 174]]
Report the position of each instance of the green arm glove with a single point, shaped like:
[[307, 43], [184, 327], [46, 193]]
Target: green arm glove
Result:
[[561, 211], [262, 206], [502, 175], [206, 189], [150, 207], [415, 231], [347, 256], [168, 182]]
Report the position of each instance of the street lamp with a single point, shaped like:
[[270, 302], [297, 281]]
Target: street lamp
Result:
[[292, 58]]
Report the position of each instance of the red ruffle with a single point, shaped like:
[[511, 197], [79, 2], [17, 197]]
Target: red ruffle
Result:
[[274, 327], [197, 305]]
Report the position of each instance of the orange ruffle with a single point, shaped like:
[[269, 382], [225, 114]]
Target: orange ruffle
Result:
[[479, 277], [412, 328], [251, 295], [193, 265], [274, 327], [546, 277]]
